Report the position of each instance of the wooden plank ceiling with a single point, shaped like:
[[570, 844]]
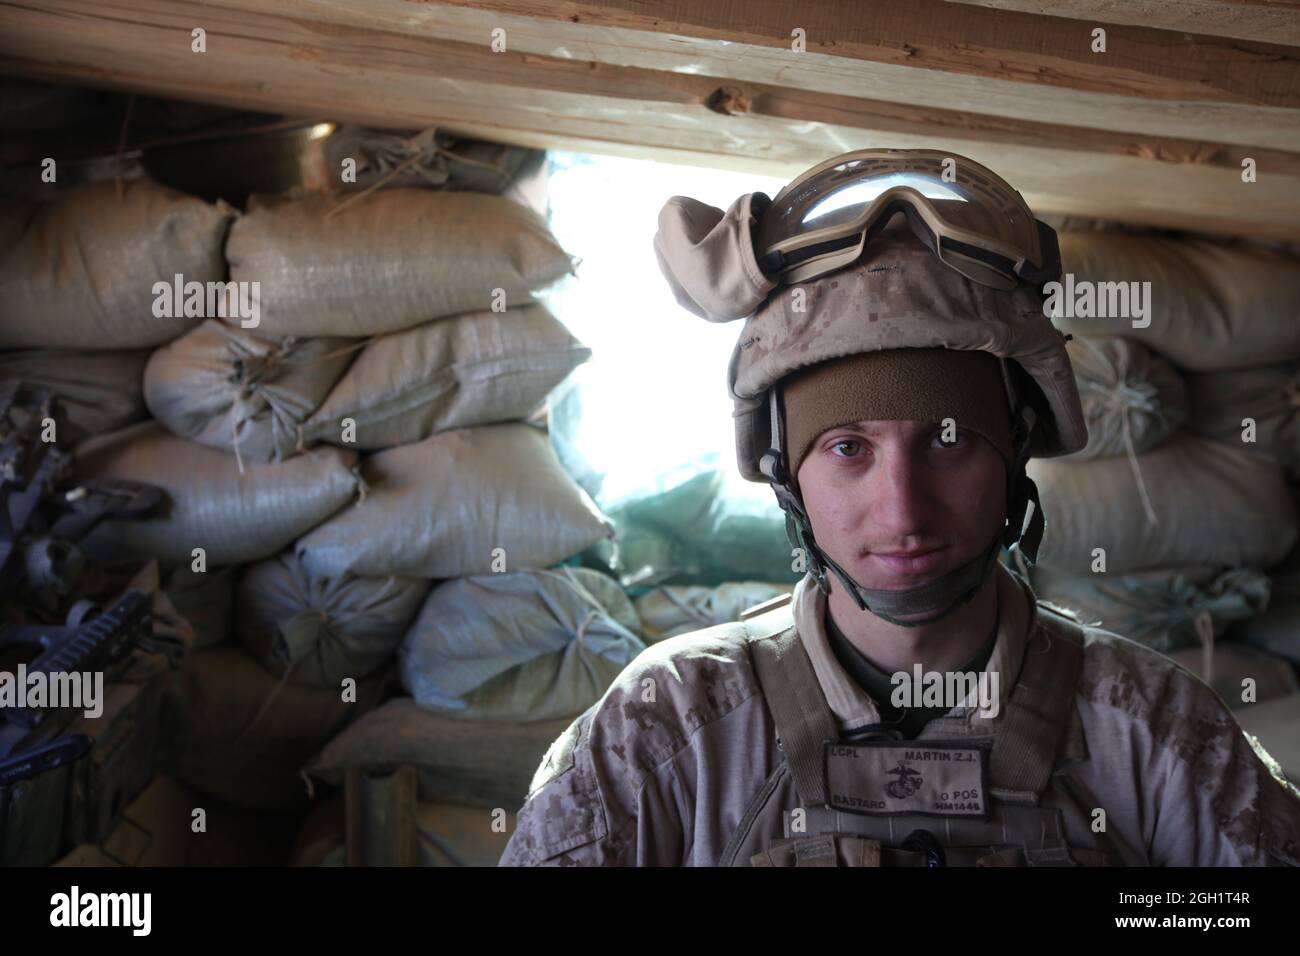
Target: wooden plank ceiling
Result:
[[1152, 130]]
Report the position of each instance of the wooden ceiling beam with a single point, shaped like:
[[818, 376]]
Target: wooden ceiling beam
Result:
[[1265, 21], [956, 38], [413, 78], [820, 72]]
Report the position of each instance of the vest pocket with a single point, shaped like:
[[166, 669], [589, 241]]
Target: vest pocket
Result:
[[828, 849]]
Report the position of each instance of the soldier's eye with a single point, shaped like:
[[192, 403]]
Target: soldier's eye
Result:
[[959, 439], [852, 446]]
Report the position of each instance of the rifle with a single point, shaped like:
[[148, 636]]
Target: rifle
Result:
[[45, 775]]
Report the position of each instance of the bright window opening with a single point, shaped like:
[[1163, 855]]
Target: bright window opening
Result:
[[646, 426]]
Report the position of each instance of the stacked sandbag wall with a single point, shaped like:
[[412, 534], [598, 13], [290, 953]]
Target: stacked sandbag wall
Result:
[[1175, 525], [341, 396]]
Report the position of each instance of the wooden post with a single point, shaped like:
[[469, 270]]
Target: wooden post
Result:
[[380, 818]]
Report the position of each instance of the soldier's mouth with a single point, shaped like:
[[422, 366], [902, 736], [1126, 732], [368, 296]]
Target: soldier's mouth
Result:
[[914, 562]]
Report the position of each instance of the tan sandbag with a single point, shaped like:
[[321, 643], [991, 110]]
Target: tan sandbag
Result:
[[1275, 631], [472, 762], [1212, 306], [157, 829], [317, 631], [1132, 399], [452, 835], [465, 370], [440, 507], [447, 834], [1270, 396], [227, 388], [679, 609], [235, 518], [1158, 608], [78, 272], [232, 729], [206, 599], [1231, 665], [1213, 505], [523, 645], [389, 260], [100, 391]]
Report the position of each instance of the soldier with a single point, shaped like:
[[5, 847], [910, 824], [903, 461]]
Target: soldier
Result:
[[894, 374]]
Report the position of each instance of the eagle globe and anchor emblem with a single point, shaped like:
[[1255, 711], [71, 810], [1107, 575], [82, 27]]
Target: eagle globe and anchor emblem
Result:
[[908, 781]]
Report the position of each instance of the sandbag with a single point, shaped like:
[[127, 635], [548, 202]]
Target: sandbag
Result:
[[389, 260], [698, 531], [1158, 608], [232, 729], [157, 830], [1231, 664], [465, 370], [1132, 399], [472, 762], [1213, 505], [78, 272], [317, 631], [671, 610], [1276, 630], [439, 508], [447, 834], [100, 391], [430, 159], [224, 387], [235, 518], [1270, 395], [1212, 306], [206, 599], [526, 645]]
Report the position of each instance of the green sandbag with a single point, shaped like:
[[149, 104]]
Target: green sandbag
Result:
[[694, 533], [522, 646], [1157, 608], [679, 609], [317, 631]]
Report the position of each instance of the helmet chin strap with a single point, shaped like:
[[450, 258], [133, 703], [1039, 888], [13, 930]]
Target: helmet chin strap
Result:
[[945, 595]]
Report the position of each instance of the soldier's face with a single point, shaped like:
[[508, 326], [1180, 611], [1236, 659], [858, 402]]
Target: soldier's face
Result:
[[878, 489]]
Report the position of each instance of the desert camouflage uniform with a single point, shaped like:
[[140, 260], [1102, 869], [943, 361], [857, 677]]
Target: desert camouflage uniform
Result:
[[665, 778]]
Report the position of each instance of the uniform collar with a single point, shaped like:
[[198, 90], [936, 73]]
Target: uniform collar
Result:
[[852, 706]]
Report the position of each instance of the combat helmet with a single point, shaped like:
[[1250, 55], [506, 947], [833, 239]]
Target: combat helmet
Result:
[[876, 250]]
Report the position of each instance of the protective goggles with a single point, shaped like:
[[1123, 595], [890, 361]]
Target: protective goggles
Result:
[[968, 215]]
